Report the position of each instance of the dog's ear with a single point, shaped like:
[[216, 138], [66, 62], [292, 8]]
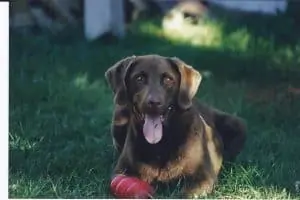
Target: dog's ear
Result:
[[189, 82], [115, 77]]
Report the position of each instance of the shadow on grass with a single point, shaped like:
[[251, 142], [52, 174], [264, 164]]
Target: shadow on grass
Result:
[[60, 110]]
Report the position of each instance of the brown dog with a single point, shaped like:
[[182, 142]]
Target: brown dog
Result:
[[161, 133]]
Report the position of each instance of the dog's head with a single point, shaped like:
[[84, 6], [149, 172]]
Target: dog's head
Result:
[[150, 84]]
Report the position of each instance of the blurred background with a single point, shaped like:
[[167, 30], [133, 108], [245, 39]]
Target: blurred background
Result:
[[60, 105]]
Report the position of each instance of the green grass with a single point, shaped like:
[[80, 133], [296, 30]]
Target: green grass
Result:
[[60, 108]]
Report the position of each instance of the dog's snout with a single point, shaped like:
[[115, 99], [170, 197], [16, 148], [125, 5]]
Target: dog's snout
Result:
[[154, 101]]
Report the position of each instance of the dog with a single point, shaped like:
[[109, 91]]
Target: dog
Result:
[[161, 132]]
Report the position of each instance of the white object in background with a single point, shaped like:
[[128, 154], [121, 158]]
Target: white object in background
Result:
[[263, 6], [118, 18], [102, 16]]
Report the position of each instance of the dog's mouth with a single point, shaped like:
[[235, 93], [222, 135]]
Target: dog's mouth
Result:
[[153, 125]]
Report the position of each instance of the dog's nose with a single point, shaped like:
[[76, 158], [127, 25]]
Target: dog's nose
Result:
[[154, 102]]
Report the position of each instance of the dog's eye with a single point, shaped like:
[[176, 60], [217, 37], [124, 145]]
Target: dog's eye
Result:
[[140, 79], [168, 81]]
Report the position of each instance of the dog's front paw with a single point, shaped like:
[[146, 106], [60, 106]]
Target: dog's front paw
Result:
[[198, 191]]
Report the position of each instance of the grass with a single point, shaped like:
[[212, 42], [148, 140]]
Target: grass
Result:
[[60, 108]]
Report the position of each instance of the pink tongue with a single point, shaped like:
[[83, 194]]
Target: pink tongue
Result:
[[152, 129]]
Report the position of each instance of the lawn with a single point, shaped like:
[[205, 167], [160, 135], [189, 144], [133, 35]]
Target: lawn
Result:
[[60, 107]]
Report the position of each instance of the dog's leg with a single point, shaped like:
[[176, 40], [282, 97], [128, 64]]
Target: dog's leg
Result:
[[124, 163], [119, 127], [126, 181], [122, 166], [199, 185], [233, 132], [119, 136], [202, 181]]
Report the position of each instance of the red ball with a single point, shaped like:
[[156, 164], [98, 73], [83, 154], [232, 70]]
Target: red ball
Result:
[[130, 187]]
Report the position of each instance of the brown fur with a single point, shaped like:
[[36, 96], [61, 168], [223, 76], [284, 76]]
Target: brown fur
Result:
[[196, 137]]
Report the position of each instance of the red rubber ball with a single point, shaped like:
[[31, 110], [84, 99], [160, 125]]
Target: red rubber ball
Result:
[[130, 187]]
